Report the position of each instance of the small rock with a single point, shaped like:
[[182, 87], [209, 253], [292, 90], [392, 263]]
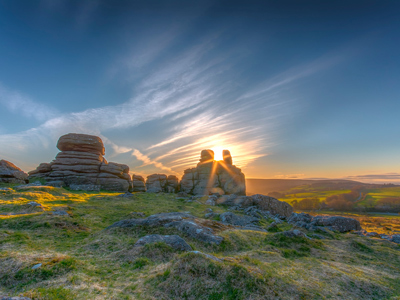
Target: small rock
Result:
[[231, 218], [208, 256], [210, 215], [175, 241], [372, 234], [6, 189], [318, 236], [395, 238], [34, 204], [37, 266], [295, 233], [56, 183], [138, 214], [210, 201], [60, 213], [126, 195], [208, 210]]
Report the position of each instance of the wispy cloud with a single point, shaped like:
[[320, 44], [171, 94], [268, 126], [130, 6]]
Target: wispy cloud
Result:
[[192, 97], [23, 105]]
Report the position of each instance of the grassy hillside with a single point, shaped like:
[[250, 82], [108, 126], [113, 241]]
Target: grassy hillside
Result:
[[82, 260]]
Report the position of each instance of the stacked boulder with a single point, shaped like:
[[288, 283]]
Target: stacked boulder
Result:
[[212, 176], [138, 184], [81, 166], [157, 183], [10, 173]]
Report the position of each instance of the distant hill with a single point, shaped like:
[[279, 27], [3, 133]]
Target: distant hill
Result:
[[265, 186]]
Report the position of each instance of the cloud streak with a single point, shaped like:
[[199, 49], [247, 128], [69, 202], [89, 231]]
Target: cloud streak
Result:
[[192, 97]]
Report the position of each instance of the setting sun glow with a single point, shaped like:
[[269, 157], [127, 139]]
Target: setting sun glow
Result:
[[217, 153]]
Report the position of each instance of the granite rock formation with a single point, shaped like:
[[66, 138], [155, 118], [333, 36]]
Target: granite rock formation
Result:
[[10, 173], [138, 184], [158, 183], [81, 166], [210, 176]]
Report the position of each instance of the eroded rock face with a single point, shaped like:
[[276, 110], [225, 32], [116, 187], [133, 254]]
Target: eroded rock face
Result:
[[138, 184], [212, 176], [10, 173], [158, 183], [81, 166]]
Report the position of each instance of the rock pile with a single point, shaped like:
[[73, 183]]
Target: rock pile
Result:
[[157, 183], [210, 176], [10, 173], [81, 166]]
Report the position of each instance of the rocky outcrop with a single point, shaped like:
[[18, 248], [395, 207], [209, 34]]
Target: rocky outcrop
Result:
[[10, 173], [210, 176], [158, 183], [261, 202], [81, 166], [174, 241], [336, 223], [182, 222], [138, 184]]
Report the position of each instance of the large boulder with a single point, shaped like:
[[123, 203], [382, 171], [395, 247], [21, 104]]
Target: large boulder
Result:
[[81, 143], [81, 166], [210, 176], [338, 223], [158, 183], [10, 173]]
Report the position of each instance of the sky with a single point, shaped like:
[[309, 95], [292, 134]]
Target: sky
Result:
[[294, 89]]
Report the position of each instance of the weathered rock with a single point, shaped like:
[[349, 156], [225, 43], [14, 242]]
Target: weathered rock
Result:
[[274, 206], [158, 183], [207, 155], [81, 166], [341, 224], [209, 256], [60, 213], [183, 222], [175, 241], [138, 184], [233, 219], [196, 231], [294, 233], [395, 238], [126, 195], [10, 173], [81, 142], [226, 154], [372, 234], [213, 177]]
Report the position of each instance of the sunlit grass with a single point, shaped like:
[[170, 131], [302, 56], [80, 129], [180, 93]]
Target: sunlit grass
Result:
[[82, 260]]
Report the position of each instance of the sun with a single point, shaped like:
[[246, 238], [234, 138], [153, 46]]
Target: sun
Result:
[[217, 153]]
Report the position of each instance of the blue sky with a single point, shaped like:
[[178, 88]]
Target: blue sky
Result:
[[295, 89]]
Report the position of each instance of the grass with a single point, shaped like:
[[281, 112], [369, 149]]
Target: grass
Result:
[[82, 260]]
